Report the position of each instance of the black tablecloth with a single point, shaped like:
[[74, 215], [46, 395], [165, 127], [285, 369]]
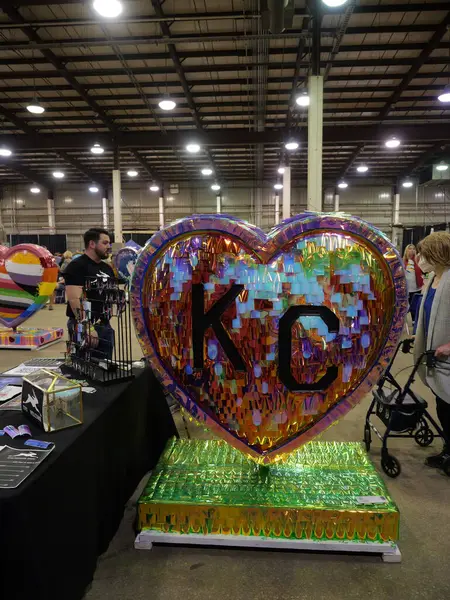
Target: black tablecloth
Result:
[[55, 525]]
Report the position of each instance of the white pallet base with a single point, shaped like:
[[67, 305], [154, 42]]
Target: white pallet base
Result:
[[389, 552]]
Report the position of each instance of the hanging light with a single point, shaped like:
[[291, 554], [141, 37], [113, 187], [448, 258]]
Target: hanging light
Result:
[[334, 3], [93, 189], [58, 174], [154, 187], [132, 173], [407, 184], [302, 100], [193, 148], [167, 104], [215, 187], [342, 185], [392, 142], [441, 166], [35, 190], [278, 186], [362, 168], [35, 107], [291, 145], [281, 170], [97, 149], [5, 151], [445, 96], [207, 172], [108, 8]]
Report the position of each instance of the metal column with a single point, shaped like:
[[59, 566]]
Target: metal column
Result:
[[396, 226], [277, 209], [336, 201], [117, 205], [287, 193], [219, 203], [161, 211], [51, 213], [105, 209], [315, 142]]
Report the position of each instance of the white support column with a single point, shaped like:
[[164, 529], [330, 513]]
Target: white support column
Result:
[[105, 209], [315, 142], [219, 204], [117, 205], [286, 193], [336, 201], [161, 212], [396, 226], [258, 205], [277, 209], [51, 213]]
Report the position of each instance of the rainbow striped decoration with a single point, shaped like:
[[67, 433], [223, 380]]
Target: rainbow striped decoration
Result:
[[28, 277], [29, 338]]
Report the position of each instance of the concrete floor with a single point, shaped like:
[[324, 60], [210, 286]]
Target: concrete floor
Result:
[[167, 573]]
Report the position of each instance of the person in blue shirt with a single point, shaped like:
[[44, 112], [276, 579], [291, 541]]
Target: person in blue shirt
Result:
[[433, 329]]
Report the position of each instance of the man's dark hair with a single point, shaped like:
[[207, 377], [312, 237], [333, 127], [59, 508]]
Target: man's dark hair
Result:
[[93, 235]]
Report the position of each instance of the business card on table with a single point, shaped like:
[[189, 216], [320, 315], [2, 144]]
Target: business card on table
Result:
[[371, 500]]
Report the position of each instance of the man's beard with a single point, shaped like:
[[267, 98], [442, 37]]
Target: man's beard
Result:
[[102, 254]]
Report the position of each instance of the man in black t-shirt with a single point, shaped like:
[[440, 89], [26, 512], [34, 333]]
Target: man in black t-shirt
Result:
[[90, 273]]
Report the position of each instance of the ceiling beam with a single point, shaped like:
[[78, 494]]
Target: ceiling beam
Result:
[[417, 65], [429, 156], [26, 172], [354, 155]]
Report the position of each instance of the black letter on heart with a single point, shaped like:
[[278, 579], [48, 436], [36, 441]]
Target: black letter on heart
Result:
[[285, 347], [201, 321]]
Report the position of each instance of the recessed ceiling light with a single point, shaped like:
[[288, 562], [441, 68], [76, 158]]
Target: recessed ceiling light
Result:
[[342, 185], [167, 104], [207, 172], [292, 145], [97, 149], [193, 148], [445, 96], [281, 170], [35, 190], [5, 152], [58, 174], [302, 100], [278, 186], [392, 142], [362, 169], [215, 187], [334, 3], [93, 189], [132, 173], [407, 184], [154, 188], [441, 166], [108, 8], [35, 107]]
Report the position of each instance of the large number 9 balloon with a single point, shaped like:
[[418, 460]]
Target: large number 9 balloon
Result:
[[269, 339]]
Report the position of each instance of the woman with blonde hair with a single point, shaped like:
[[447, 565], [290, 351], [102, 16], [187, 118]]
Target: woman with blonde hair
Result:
[[433, 329], [67, 257], [414, 279]]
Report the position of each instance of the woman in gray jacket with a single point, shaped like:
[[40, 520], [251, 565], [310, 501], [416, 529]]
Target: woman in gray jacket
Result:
[[433, 329]]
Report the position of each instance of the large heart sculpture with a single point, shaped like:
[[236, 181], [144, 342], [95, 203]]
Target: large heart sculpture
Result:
[[28, 277], [269, 339]]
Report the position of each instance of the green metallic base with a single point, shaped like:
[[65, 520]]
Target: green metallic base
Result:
[[326, 491]]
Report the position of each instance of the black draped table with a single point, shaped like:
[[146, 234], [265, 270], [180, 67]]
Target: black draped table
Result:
[[55, 525]]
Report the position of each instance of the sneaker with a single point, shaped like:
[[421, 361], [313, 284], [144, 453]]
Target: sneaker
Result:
[[437, 460]]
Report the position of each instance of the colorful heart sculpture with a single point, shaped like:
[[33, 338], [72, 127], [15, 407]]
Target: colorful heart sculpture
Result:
[[28, 277], [269, 339]]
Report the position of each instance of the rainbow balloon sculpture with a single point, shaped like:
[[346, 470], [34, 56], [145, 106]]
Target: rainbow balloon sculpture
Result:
[[269, 338], [28, 277]]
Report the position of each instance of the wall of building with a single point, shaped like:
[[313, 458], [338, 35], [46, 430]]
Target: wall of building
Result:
[[76, 209]]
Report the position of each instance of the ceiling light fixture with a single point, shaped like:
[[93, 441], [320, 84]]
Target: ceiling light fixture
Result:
[[392, 142], [207, 172], [35, 107], [167, 104], [193, 148], [154, 187], [108, 8], [302, 100], [291, 145], [342, 185], [278, 186], [215, 187], [35, 190], [132, 173], [5, 152], [58, 174], [407, 184], [362, 169], [93, 189], [445, 96], [281, 170], [97, 149], [441, 166], [334, 3]]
